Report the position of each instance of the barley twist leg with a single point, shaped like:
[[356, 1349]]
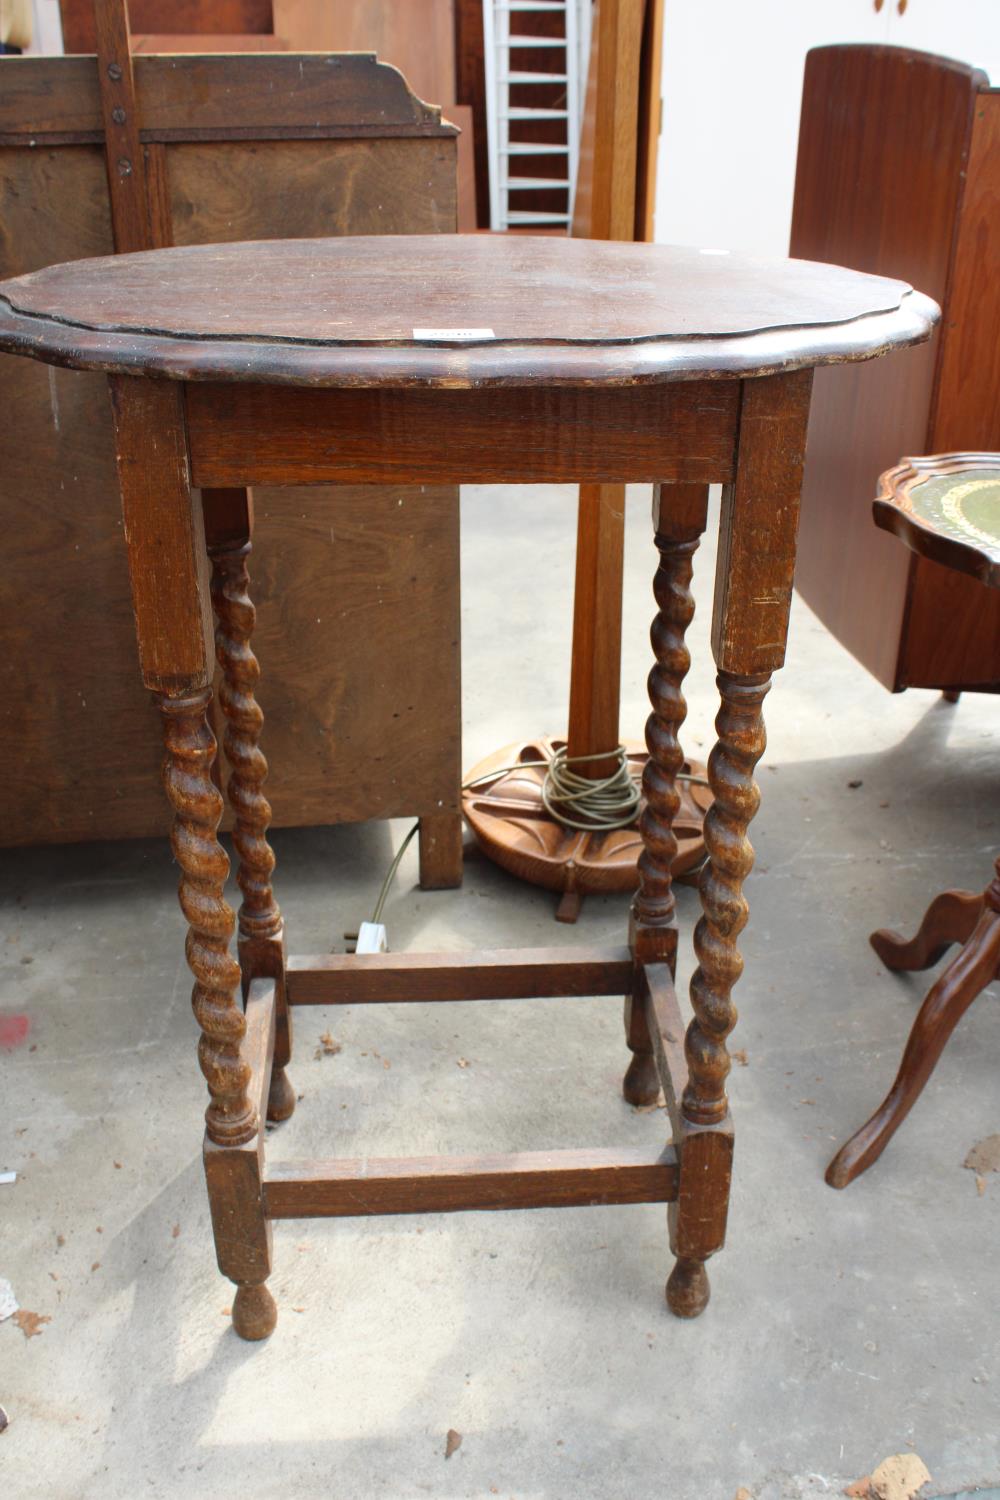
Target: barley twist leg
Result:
[[740, 744], [261, 930], [190, 750], [654, 926]]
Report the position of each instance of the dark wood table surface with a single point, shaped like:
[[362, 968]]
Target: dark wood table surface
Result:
[[443, 359]]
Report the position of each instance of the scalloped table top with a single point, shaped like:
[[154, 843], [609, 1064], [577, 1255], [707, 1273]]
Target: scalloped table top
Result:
[[453, 310]]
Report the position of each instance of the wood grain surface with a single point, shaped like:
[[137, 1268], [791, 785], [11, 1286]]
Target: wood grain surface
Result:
[[252, 434], [244, 41], [436, 1184], [367, 290], [216, 188], [246, 97], [493, 974], [417, 36], [204, 16], [556, 311], [165, 538], [882, 169], [70, 780]]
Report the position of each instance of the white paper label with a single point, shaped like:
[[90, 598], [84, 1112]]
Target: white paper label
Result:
[[454, 335]]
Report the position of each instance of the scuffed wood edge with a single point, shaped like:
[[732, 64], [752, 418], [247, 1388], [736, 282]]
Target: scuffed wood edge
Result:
[[56, 100], [496, 363]]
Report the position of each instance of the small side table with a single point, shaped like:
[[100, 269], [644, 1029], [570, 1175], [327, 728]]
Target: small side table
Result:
[[945, 508], [446, 359]]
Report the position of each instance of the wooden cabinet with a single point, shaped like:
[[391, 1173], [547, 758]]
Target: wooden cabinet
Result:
[[357, 589], [899, 173]]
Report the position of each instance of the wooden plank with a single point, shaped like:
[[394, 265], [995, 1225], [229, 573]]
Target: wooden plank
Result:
[[50, 98], [650, 120], [244, 434], [204, 16], [125, 163], [461, 116], [882, 147], [605, 207], [417, 36], [419, 1185], [486, 974], [244, 97], [237, 97], [964, 417], [245, 41], [470, 90], [595, 680], [965, 414], [221, 191], [666, 1030], [392, 567]]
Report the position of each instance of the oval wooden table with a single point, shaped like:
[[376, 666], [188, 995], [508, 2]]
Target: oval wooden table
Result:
[[444, 359]]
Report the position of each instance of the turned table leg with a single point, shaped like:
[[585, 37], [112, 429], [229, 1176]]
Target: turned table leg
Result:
[[753, 589], [168, 566], [679, 513], [228, 525]]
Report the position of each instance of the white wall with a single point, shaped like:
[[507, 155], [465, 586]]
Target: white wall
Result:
[[732, 85], [47, 31]]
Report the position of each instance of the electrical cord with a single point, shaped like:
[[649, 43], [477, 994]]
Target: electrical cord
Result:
[[572, 799]]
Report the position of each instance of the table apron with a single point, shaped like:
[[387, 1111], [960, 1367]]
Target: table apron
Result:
[[684, 433]]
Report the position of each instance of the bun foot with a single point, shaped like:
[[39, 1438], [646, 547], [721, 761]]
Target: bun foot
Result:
[[688, 1289], [281, 1097], [641, 1084], [254, 1312]]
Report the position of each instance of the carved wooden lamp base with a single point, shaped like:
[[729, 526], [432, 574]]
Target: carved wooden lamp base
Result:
[[515, 829]]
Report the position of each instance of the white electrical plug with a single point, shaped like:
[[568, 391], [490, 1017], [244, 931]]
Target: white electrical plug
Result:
[[372, 938]]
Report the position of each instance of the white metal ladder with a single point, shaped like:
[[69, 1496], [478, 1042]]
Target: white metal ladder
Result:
[[510, 164]]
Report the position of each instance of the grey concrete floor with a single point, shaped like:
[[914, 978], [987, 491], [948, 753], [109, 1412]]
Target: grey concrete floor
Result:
[[843, 1327]]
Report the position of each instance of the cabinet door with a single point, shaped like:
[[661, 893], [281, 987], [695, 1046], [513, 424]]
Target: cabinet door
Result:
[[732, 89], [968, 30]]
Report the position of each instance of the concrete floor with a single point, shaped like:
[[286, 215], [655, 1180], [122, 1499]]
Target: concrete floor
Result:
[[843, 1327]]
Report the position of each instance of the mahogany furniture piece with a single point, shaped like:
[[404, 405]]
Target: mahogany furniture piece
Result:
[[899, 173], [945, 509], [229, 148], [310, 362]]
